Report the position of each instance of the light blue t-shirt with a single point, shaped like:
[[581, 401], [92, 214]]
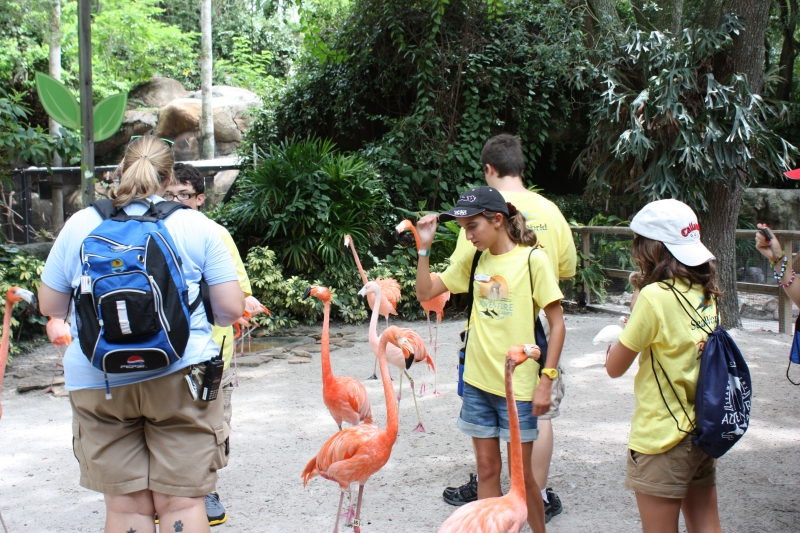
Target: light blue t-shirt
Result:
[[203, 253]]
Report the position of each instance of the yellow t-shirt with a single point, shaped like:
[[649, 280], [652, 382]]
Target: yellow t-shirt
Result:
[[502, 314], [659, 323], [244, 282], [552, 230]]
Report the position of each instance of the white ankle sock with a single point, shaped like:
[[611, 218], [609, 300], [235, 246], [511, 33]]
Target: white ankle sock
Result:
[[544, 496]]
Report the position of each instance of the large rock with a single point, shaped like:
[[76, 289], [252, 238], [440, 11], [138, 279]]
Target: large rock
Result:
[[187, 146], [223, 181], [779, 208], [157, 92], [137, 122], [179, 116]]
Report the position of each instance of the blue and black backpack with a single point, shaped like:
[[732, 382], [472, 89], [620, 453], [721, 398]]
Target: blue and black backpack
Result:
[[132, 305], [724, 392]]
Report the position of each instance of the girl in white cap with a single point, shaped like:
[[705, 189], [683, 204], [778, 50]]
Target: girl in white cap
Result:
[[675, 290]]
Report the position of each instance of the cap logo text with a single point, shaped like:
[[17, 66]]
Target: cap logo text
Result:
[[693, 226], [468, 198], [460, 212]]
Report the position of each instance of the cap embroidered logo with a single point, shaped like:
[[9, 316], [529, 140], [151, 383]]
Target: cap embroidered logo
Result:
[[691, 228], [460, 212], [468, 198]]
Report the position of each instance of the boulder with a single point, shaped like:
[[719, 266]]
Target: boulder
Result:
[[223, 181], [779, 208], [179, 116], [187, 146], [41, 212], [157, 92], [136, 122]]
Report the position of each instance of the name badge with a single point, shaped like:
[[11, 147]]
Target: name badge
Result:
[[483, 278], [86, 284]]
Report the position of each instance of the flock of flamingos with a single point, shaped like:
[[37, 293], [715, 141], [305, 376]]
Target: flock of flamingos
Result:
[[355, 453]]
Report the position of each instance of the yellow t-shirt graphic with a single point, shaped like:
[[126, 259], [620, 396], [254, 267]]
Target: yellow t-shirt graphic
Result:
[[503, 312]]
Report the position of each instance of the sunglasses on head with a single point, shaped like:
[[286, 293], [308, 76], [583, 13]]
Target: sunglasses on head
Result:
[[134, 137]]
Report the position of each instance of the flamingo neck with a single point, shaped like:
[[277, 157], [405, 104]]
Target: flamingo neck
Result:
[[374, 340], [4, 343], [388, 391], [416, 236], [515, 460], [325, 343], [358, 262]]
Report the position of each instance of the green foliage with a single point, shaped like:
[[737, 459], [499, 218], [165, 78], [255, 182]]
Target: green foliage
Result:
[[420, 86], [304, 197], [665, 127]]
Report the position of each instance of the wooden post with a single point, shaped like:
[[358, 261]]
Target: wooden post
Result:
[[54, 64], [785, 322], [87, 111], [586, 249]]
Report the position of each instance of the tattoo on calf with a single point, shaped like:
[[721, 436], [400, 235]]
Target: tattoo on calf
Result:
[[178, 526], [131, 530]]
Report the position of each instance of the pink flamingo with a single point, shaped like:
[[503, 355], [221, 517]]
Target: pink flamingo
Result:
[[435, 305], [355, 453], [390, 293], [506, 514], [345, 397], [58, 333], [13, 297], [395, 356]]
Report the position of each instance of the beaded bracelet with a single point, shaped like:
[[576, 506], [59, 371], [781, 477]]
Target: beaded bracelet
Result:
[[779, 277], [775, 261], [786, 285]]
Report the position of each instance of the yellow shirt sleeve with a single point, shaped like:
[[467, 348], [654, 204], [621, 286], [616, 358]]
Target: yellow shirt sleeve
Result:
[[642, 327], [217, 333], [567, 254], [545, 285]]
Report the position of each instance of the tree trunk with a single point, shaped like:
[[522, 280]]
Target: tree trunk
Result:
[[87, 108], [206, 66], [607, 17], [668, 17], [724, 199], [55, 71], [788, 10], [718, 226]]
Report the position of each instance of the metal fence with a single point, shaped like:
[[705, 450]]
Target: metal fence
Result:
[[762, 304]]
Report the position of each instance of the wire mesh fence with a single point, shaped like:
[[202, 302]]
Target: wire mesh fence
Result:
[[605, 254]]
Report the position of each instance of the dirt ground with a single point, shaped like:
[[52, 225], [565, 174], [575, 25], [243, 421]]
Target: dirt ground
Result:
[[280, 422]]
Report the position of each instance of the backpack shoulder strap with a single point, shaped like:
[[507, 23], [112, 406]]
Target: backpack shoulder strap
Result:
[[165, 208], [470, 293], [105, 208], [698, 324]]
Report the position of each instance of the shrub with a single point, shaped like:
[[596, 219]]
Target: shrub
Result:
[[304, 197]]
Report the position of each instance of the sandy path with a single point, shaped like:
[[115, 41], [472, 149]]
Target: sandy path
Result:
[[280, 422]]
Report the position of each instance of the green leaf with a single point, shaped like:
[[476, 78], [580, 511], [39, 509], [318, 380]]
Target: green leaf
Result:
[[59, 103], [108, 116]]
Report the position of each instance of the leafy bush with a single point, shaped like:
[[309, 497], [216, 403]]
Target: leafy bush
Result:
[[304, 197]]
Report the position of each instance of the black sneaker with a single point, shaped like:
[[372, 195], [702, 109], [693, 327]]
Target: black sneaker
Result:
[[553, 506], [464, 494]]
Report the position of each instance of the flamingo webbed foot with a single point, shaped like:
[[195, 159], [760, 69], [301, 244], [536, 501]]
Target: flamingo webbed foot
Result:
[[372, 377], [422, 389], [436, 393], [419, 429], [348, 516]]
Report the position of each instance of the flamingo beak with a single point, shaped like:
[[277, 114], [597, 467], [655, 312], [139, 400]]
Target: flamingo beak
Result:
[[532, 351], [346, 241], [29, 297], [307, 293], [408, 351]]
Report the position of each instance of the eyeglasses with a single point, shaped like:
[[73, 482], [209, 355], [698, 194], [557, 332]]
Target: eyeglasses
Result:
[[181, 196], [134, 137]]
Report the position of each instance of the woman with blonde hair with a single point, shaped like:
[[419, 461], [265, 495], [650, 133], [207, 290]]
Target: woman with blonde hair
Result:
[[148, 445]]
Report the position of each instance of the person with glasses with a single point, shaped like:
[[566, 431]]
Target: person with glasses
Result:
[[150, 447], [188, 188]]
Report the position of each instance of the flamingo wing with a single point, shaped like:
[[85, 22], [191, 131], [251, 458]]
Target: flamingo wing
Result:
[[357, 398], [342, 446], [390, 292], [437, 303], [58, 332]]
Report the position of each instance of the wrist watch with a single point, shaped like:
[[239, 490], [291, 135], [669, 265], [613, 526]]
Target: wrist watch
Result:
[[424, 253], [551, 373]]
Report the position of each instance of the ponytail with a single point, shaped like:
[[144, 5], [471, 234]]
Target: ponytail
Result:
[[146, 169], [516, 227]]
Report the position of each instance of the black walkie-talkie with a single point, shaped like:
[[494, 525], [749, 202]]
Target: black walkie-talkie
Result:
[[213, 376]]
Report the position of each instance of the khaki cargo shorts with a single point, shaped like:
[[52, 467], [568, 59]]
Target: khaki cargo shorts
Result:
[[151, 435], [671, 474]]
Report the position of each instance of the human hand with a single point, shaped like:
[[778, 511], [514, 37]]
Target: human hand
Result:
[[770, 249], [426, 229], [542, 396]]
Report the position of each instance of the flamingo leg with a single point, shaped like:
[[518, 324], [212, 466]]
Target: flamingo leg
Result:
[[357, 521], [400, 388], [55, 370], [435, 363], [374, 371], [607, 351], [339, 510], [420, 428], [350, 513]]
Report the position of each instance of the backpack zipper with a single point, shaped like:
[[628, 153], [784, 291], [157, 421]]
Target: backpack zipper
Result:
[[160, 304], [174, 257]]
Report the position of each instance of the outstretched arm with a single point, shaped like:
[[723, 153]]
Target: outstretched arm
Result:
[[772, 250], [427, 288]]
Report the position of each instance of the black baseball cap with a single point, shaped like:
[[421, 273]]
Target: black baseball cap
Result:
[[476, 201]]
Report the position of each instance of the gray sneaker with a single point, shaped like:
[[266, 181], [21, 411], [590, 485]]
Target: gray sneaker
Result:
[[215, 510]]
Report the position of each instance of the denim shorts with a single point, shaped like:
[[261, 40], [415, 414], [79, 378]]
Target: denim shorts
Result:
[[484, 415]]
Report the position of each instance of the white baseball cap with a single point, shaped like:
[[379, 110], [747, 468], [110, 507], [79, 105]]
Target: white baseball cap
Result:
[[673, 223]]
